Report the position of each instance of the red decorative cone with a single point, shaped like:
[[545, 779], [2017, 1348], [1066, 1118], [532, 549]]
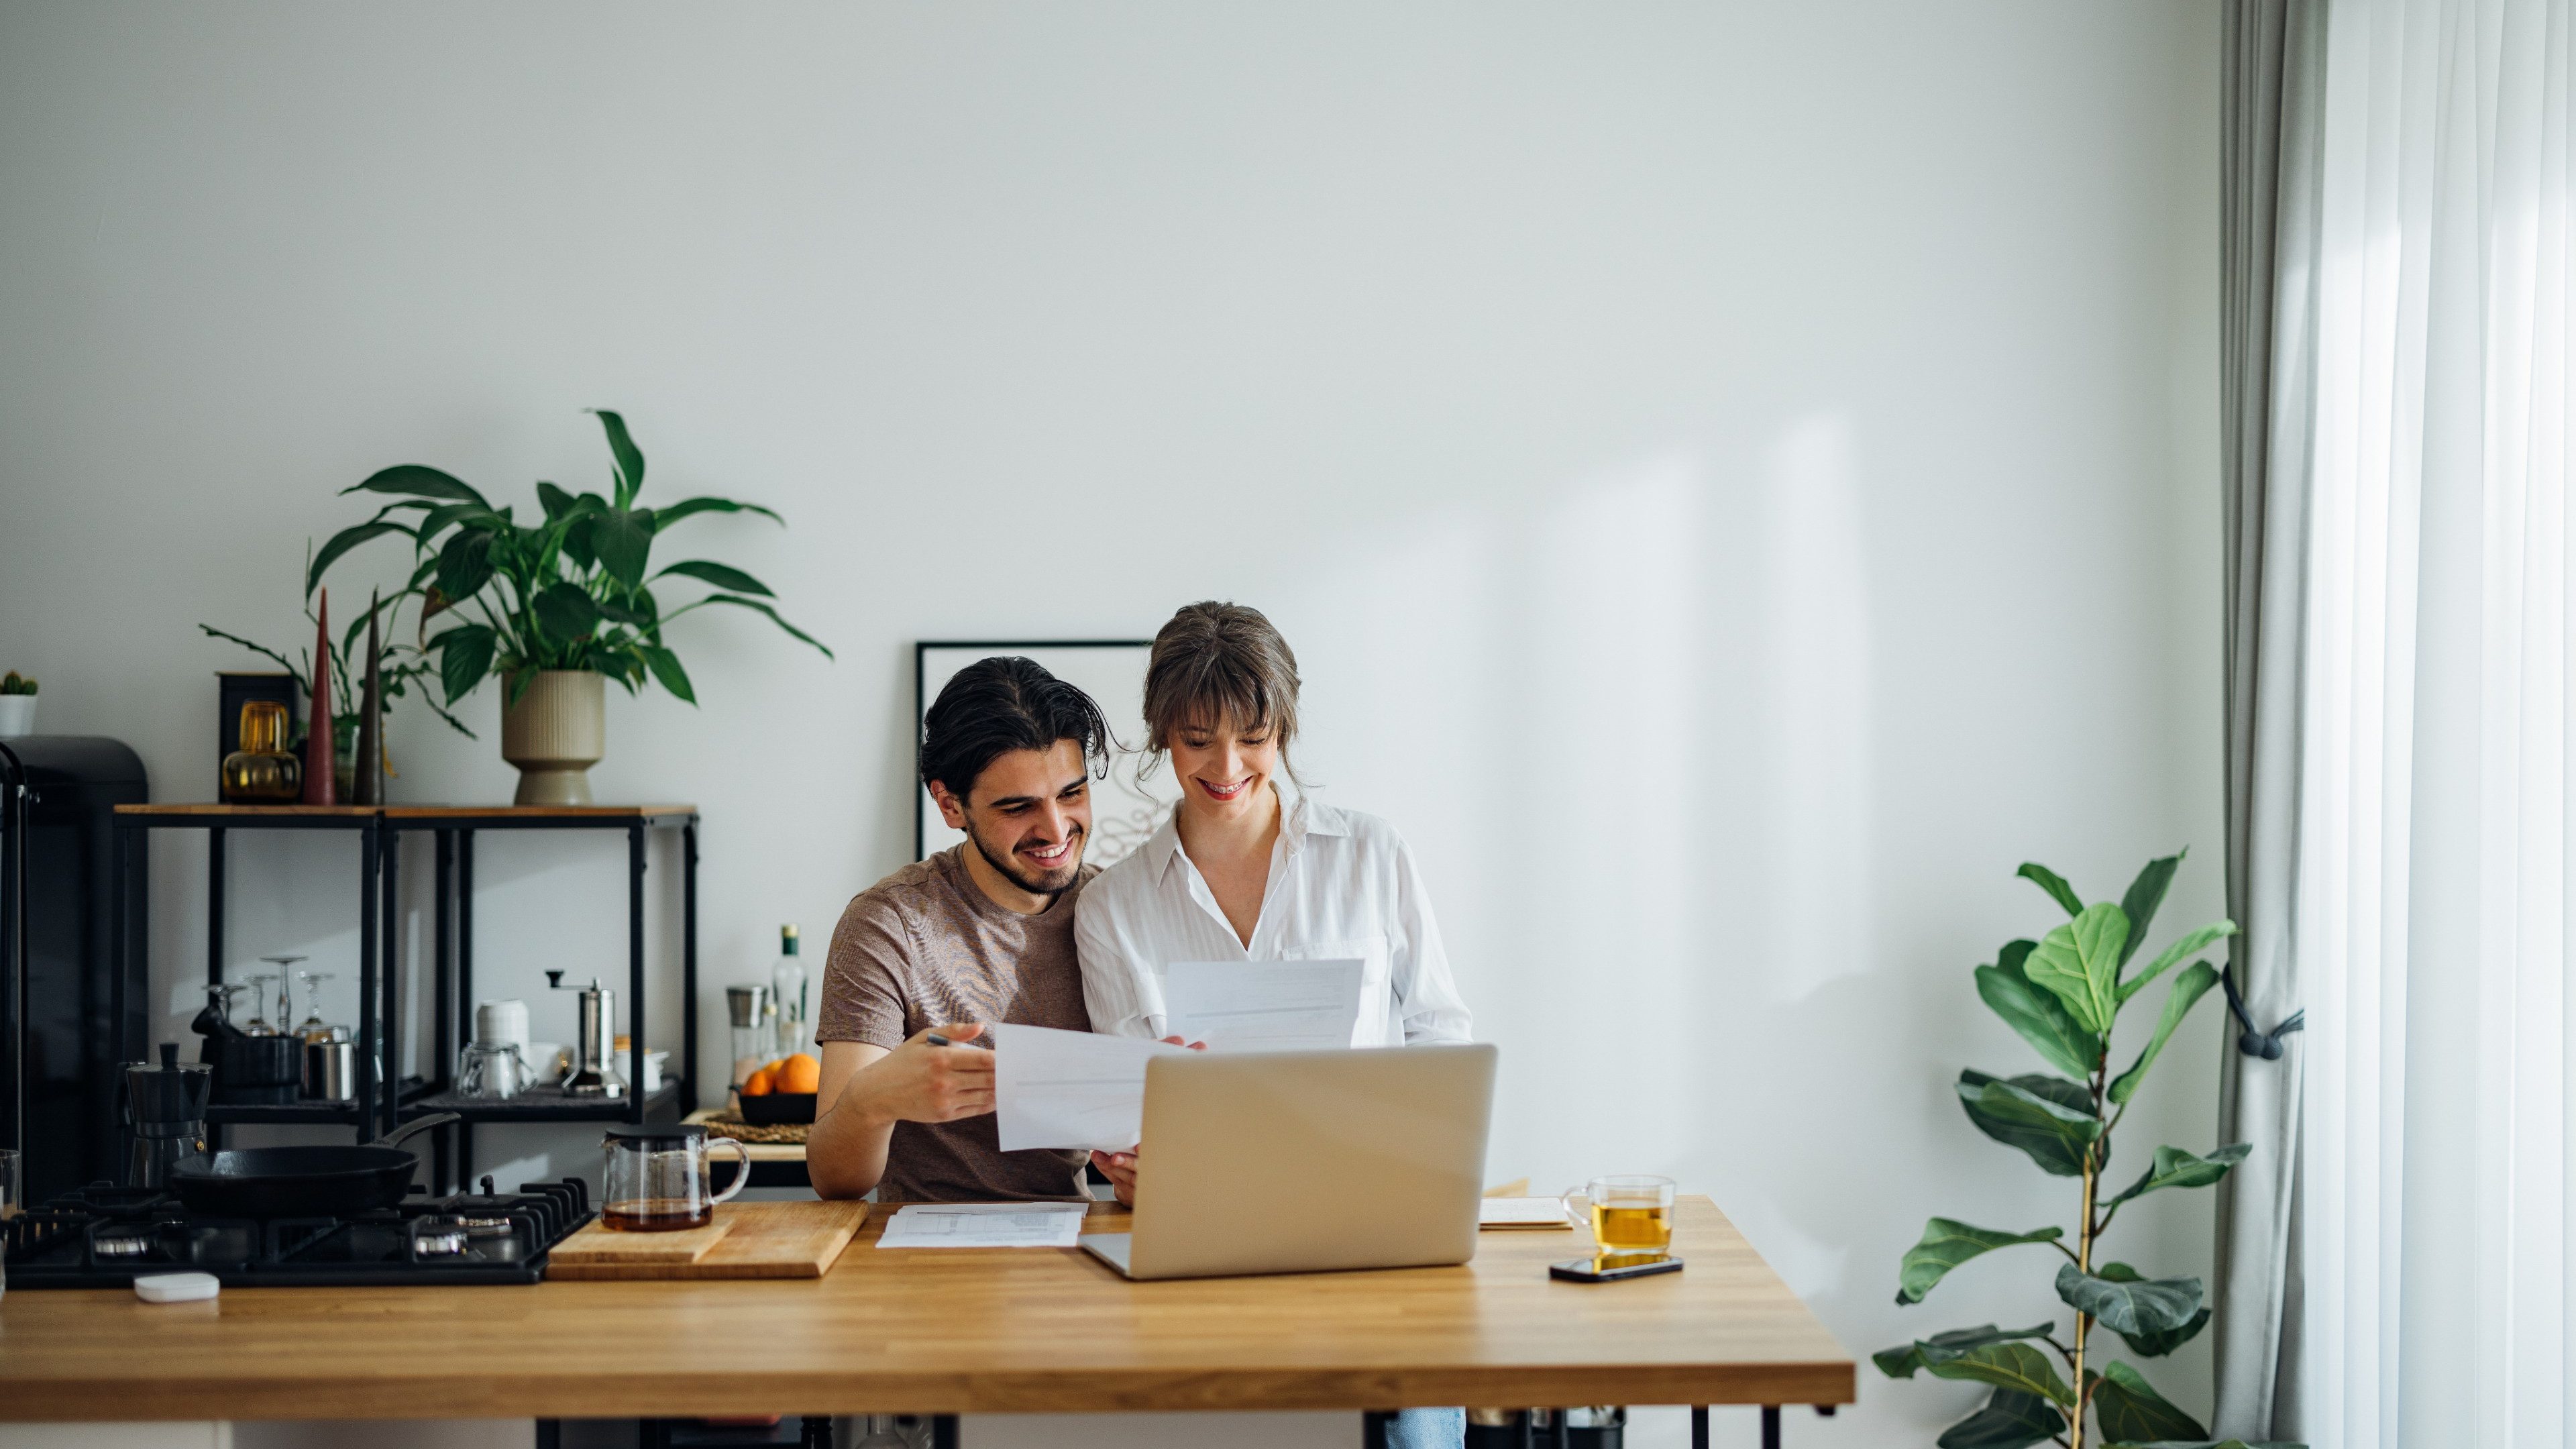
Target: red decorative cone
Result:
[[320, 768]]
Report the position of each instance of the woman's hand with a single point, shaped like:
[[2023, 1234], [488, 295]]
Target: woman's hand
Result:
[[1120, 1167]]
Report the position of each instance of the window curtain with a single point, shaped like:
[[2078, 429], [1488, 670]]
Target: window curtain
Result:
[[2271, 137], [2424, 1270]]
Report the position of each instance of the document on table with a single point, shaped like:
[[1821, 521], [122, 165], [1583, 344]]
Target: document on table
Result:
[[1258, 1006], [984, 1225], [1521, 1212], [1069, 1088]]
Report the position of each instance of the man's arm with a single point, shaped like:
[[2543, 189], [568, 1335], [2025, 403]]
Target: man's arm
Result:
[[870, 1089]]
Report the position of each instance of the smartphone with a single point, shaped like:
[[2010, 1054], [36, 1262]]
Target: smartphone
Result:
[[1610, 1270]]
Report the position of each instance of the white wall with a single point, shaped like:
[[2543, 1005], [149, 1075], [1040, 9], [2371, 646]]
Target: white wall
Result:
[[1740, 478]]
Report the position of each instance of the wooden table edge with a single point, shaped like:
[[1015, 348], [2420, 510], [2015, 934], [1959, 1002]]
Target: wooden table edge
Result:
[[111, 1398]]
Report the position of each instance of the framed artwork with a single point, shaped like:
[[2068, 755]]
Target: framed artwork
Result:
[[1112, 672]]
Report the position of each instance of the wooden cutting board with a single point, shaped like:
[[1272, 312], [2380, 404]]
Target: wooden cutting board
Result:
[[762, 1240], [598, 1243]]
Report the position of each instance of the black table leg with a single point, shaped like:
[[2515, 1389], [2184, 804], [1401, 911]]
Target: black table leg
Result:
[[1770, 1426], [550, 1434], [1373, 1423], [943, 1432], [1699, 1426]]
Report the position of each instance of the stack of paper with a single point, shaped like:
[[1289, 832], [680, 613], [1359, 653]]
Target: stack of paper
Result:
[[984, 1225], [1275, 1006], [1521, 1212]]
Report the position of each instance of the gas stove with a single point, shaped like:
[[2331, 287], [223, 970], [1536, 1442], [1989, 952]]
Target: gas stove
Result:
[[106, 1237]]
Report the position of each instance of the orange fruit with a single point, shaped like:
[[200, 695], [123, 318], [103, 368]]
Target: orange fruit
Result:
[[760, 1084], [799, 1073]]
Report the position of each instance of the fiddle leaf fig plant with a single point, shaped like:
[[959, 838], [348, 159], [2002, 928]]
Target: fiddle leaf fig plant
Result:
[[572, 587], [2063, 993]]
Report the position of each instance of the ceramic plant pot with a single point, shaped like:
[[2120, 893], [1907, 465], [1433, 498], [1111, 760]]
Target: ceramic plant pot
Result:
[[554, 734], [17, 715]]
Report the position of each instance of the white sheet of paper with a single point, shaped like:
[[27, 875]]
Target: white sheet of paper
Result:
[[1274, 1006], [1069, 1088], [984, 1225], [1521, 1212]]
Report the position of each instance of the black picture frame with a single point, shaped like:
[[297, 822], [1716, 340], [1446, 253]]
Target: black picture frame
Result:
[[1034, 648]]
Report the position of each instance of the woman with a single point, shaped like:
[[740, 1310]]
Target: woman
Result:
[[1237, 874]]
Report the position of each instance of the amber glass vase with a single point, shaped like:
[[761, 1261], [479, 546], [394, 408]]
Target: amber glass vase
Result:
[[261, 772]]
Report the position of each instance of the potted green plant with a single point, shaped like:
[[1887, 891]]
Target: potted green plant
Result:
[[406, 666], [17, 706], [2064, 993], [556, 606]]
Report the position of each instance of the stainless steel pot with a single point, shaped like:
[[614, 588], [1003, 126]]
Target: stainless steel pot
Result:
[[331, 1066]]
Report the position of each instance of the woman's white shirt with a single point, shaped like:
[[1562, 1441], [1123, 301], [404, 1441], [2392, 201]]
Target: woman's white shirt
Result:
[[1342, 886]]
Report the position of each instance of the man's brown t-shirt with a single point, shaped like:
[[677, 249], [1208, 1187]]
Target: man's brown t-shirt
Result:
[[925, 947]]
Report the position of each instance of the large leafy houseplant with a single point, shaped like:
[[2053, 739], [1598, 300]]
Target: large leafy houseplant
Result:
[[2064, 993], [573, 588]]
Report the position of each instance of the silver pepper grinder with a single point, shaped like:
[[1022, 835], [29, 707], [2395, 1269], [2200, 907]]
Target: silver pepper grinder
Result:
[[594, 1071]]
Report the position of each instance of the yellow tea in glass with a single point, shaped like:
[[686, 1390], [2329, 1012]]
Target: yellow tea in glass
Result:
[[1631, 1217]]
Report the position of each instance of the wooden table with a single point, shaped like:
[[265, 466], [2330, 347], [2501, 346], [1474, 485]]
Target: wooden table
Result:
[[943, 1331]]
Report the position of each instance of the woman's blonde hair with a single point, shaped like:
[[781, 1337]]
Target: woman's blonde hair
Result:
[[1216, 662]]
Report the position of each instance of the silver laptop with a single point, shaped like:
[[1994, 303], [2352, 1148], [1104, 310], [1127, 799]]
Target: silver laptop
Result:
[[1303, 1162]]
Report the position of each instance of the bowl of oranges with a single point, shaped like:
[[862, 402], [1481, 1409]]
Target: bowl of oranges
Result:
[[782, 1091]]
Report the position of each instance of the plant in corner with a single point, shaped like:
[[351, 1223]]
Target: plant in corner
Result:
[[553, 606], [2064, 993]]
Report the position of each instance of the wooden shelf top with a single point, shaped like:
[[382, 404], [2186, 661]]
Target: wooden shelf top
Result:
[[217, 811], [537, 812], [1027, 1330], [243, 812]]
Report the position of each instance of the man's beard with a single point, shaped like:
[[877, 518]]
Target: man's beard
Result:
[[1055, 882]]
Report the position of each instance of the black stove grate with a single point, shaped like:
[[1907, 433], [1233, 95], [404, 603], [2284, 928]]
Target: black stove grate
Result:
[[106, 1237]]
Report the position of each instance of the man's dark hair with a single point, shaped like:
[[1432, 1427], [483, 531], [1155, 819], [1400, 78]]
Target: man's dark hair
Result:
[[994, 706]]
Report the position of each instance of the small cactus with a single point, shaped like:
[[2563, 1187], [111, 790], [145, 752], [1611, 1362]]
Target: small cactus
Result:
[[17, 683]]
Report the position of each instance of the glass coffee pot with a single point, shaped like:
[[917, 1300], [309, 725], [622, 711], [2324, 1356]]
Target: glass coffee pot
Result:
[[656, 1178]]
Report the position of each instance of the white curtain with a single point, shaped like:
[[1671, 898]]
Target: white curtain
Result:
[[2432, 892]]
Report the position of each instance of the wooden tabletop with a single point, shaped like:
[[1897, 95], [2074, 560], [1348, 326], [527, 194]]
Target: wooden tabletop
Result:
[[943, 1331]]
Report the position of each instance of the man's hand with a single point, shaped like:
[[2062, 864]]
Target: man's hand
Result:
[[1120, 1167], [920, 1081]]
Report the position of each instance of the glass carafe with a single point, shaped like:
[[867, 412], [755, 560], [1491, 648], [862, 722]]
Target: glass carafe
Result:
[[655, 1179]]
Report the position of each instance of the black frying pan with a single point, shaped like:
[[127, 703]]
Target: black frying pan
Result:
[[282, 1182]]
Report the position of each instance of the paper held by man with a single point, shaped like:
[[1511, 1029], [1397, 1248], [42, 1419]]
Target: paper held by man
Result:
[[1069, 1088], [1077, 1089]]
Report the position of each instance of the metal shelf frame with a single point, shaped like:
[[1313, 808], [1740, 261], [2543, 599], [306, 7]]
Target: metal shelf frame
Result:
[[379, 829]]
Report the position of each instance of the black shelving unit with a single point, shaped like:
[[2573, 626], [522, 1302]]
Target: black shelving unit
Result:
[[379, 830]]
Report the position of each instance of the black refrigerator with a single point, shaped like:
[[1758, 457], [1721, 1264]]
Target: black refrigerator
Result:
[[73, 1000]]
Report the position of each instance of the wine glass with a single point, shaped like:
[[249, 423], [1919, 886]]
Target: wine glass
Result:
[[313, 1027], [285, 984], [258, 1023]]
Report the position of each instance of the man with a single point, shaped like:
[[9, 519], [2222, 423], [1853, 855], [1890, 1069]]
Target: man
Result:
[[981, 932]]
